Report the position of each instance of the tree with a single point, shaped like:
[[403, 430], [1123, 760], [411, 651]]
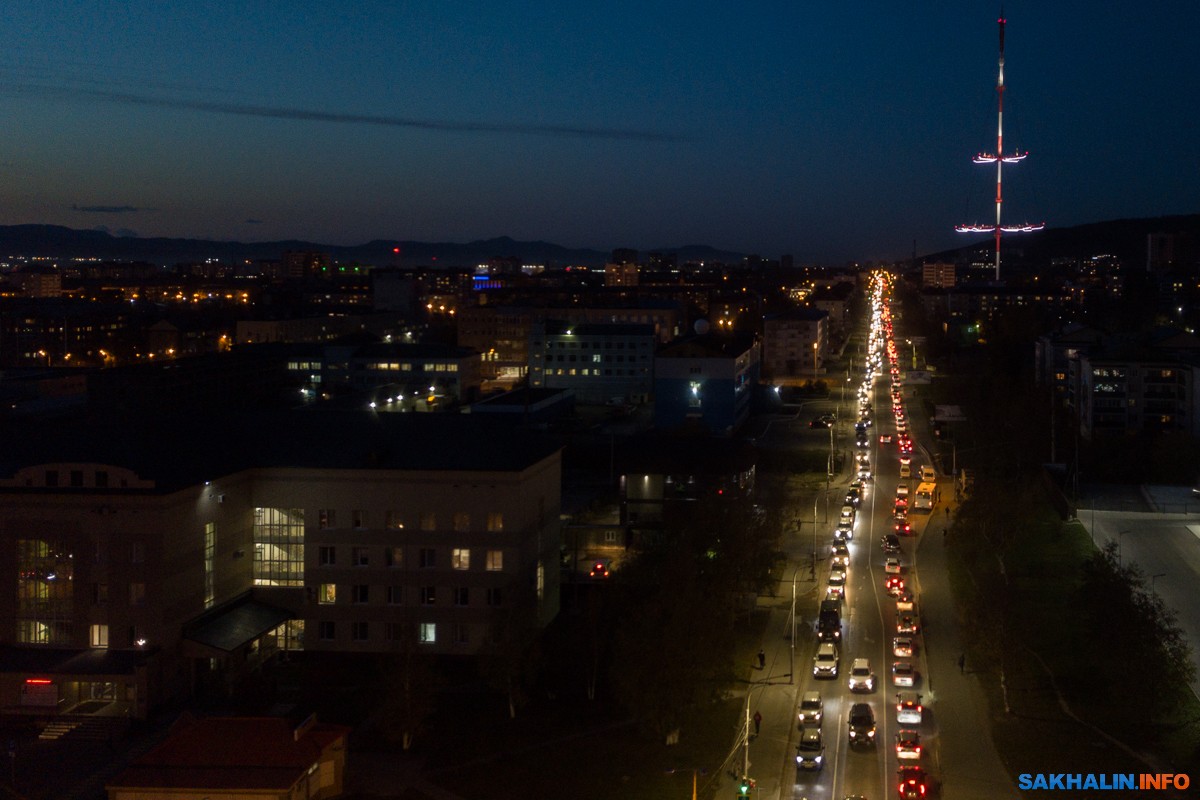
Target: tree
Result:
[[408, 686]]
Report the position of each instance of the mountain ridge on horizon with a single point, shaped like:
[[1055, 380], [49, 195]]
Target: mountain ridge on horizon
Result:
[[1123, 237], [59, 241]]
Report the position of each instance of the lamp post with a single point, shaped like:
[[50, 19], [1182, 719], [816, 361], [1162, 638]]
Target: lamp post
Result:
[[792, 641]]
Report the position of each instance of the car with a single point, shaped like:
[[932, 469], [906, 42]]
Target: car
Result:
[[903, 647], [901, 506], [847, 515], [901, 525], [891, 565], [825, 662], [836, 593], [599, 570], [810, 752], [894, 585], [885, 438], [862, 724], [903, 674], [908, 745], [837, 577], [839, 549], [853, 497], [890, 543], [928, 475], [840, 560], [844, 532], [823, 421], [812, 709], [864, 472], [908, 708], [905, 471], [912, 783], [858, 483], [906, 446], [902, 490], [908, 623], [904, 601], [862, 677]]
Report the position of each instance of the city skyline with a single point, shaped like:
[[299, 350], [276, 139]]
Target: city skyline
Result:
[[832, 135]]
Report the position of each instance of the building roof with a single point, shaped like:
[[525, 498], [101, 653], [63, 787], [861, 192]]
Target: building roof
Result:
[[185, 450], [557, 327], [231, 753], [709, 345], [231, 627], [89, 661]]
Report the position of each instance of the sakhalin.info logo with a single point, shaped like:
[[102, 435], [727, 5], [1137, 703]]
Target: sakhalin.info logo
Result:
[[1067, 781]]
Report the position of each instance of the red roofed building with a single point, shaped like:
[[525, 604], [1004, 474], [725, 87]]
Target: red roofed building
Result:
[[239, 757]]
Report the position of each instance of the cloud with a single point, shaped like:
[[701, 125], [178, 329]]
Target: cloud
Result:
[[107, 209], [309, 115]]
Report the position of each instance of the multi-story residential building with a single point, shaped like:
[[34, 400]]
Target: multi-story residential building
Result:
[[621, 274], [398, 376], [794, 344], [706, 382], [939, 274], [51, 331], [599, 363], [148, 560], [501, 336], [835, 301]]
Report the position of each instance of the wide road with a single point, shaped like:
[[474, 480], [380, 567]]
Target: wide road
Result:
[[868, 627]]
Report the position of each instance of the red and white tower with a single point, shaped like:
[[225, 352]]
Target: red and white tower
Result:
[[1000, 160]]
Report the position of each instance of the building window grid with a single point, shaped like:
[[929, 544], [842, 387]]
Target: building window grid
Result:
[[278, 547], [210, 557]]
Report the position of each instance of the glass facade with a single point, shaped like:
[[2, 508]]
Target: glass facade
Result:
[[45, 581], [278, 547]]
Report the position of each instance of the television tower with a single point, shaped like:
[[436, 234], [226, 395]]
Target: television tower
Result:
[[1000, 160]]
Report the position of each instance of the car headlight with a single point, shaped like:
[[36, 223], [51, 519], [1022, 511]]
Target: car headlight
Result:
[[871, 734]]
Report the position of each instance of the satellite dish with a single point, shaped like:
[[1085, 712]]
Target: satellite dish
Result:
[[701, 326]]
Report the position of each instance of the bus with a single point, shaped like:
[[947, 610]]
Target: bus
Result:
[[926, 497]]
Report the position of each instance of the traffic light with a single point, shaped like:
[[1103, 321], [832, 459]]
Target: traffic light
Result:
[[744, 787]]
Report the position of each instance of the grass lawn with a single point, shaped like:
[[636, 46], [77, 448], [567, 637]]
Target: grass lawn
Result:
[[1034, 638]]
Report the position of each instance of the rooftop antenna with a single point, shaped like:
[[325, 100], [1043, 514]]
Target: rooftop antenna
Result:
[[1000, 160]]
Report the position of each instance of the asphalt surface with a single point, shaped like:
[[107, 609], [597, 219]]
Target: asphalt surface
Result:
[[955, 729]]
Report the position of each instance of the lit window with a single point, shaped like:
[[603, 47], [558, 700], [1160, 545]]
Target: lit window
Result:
[[495, 560], [99, 636], [460, 558], [327, 593], [427, 633], [495, 521]]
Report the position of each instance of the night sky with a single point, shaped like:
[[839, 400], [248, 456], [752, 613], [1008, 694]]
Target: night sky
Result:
[[832, 131]]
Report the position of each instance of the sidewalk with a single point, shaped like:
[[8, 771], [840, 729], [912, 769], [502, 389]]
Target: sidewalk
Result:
[[960, 709]]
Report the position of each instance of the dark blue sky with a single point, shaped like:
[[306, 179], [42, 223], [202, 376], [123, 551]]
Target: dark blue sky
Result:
[[832, 131]]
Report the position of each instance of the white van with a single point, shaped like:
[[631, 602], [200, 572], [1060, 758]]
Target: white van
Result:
[[928, 475]]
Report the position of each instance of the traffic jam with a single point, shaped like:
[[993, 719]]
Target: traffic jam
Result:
[[892, 729]]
